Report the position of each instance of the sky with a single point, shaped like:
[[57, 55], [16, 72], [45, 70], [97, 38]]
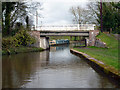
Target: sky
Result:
[[57, 11]]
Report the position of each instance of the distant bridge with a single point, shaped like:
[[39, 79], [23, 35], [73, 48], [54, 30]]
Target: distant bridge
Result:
[[67, 27], [42, 33]]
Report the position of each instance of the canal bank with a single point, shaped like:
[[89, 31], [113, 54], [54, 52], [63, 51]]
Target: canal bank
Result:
[[106, 59], [96, 64], [21, 49]]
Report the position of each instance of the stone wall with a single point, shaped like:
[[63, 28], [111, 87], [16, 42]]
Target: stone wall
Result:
[[99, 43]]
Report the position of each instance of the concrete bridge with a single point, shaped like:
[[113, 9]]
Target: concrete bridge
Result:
[[41, 33]]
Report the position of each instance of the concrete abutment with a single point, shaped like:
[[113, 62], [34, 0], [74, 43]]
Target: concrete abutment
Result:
[[44, 42]]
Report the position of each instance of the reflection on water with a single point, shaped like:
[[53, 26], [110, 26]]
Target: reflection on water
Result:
[[61, 47], [56, 68]]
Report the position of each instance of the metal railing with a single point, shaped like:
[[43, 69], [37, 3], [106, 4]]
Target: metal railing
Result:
[[67, 27]]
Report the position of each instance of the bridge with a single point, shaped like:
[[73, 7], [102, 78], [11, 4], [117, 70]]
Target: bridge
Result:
[[42, 32]]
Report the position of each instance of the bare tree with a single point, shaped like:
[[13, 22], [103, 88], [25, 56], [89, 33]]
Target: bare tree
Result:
[[83, 15], [93, 11], [77, 13]]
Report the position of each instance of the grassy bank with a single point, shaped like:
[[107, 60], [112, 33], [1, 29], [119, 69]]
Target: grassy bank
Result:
[[21, 49], [109, 56]]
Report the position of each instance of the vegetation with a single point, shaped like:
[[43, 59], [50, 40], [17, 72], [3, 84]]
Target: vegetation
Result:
[[110, 15], [108, 56], [15, 24], [15, 15], [22, 38], [81, 15], [59, 37], [91, 15], [63, 37], [11, 11]]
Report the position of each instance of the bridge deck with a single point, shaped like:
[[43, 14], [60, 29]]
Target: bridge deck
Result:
[[64, 33]]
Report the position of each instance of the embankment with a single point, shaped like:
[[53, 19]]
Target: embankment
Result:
[[104, 59], [21, 50], [99, 66]]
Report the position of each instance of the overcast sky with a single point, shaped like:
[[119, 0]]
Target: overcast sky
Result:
[[57, 11]]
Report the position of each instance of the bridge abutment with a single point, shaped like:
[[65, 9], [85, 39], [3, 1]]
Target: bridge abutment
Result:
[[41, 41], [44, 42]]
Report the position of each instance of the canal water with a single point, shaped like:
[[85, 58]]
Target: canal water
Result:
[[54, 68]]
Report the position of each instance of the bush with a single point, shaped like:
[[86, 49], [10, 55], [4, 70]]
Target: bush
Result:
[[9, 42], [24, 38], [21, 38]]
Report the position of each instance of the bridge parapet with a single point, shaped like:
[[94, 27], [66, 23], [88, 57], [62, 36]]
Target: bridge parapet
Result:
[[67, 27]]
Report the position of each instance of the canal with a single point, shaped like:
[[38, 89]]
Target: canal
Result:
[[54, 68]]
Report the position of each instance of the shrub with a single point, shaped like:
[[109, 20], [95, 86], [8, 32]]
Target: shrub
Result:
[[21, 38], [9, 42], [24, 38]]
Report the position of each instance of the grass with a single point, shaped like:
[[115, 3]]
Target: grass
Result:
[[0, 34], [107, 55], [21, 49]]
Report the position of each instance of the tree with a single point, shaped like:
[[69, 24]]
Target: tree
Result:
[[82, 15], [117, 16], [7, 8], [13, 12], [77, 13], [27, 22], [110, 14]]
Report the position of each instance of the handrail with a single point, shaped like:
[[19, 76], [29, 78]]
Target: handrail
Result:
[[65, 27]]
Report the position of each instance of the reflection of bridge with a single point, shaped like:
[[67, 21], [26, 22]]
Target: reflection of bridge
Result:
[[42, 33], [56, 48]]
